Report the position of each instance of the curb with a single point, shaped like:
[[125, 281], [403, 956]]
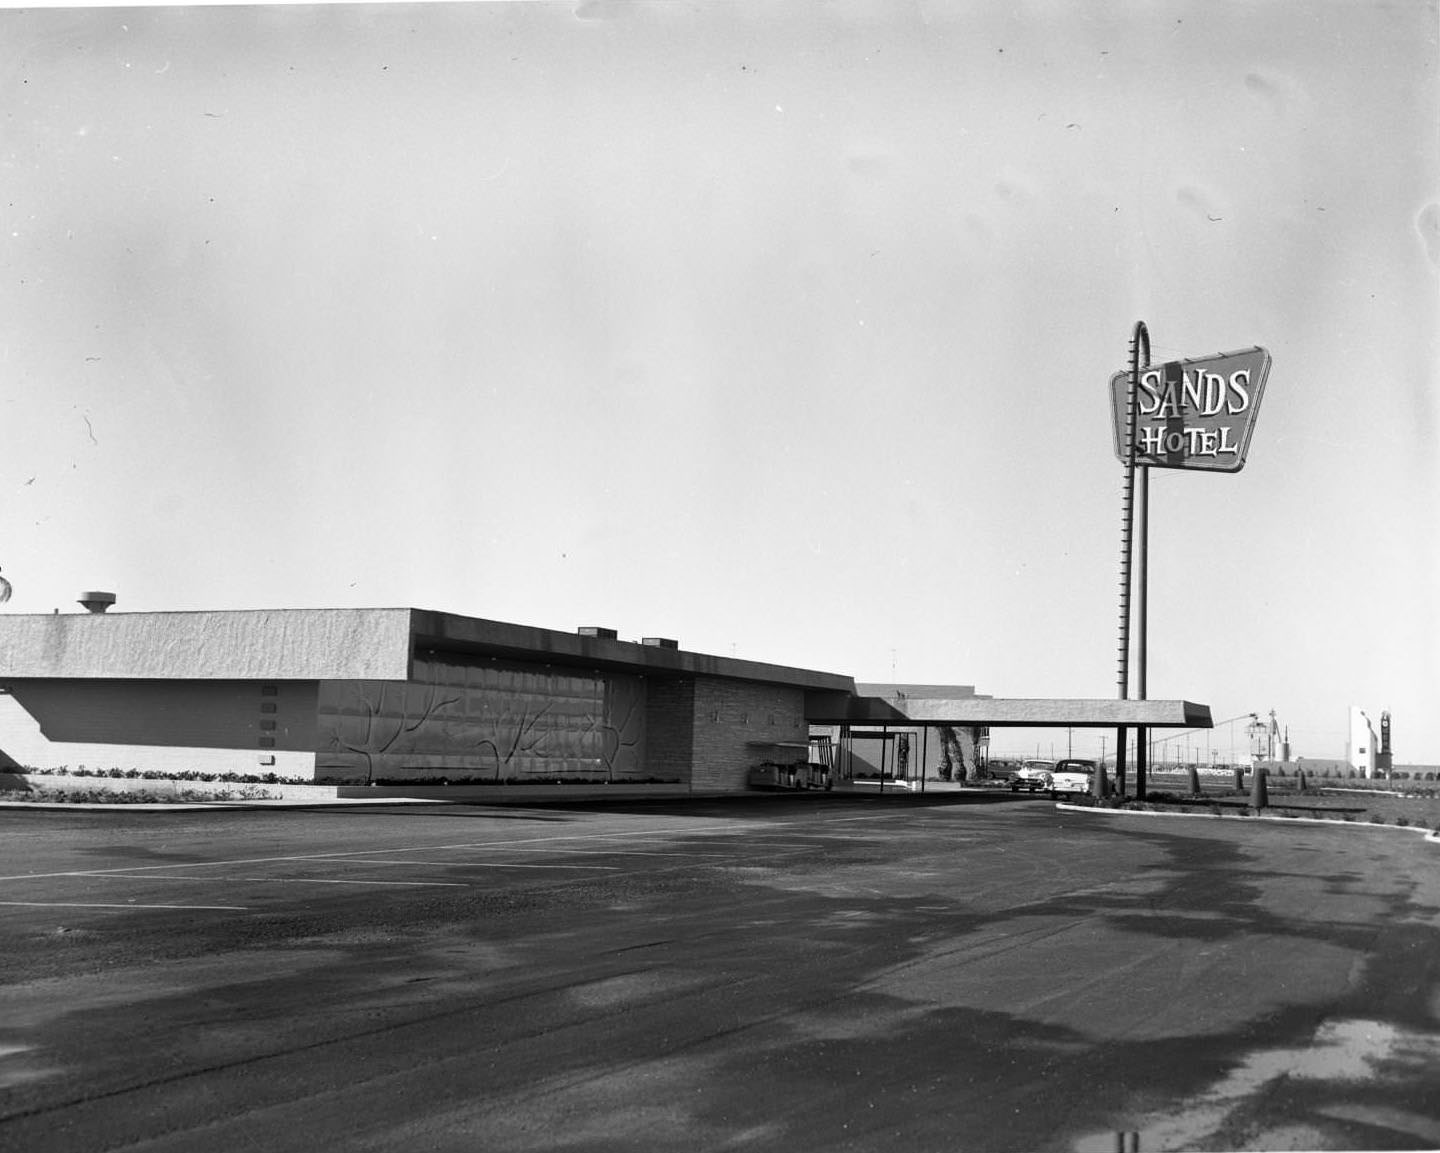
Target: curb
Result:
[[201, 806], [78, 806], [1430, 835]]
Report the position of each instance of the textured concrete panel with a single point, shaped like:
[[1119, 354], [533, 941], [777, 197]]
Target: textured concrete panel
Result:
[[484, 720], [266, 644]]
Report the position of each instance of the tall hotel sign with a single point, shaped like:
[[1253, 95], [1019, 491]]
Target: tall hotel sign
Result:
[[1193, 414]]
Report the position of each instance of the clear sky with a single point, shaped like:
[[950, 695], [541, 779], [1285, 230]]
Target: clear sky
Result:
[[781, 329]]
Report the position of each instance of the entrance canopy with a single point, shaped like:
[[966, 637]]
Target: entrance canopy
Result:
[[934, 705]]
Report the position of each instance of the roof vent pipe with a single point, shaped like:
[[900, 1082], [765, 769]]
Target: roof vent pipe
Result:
[[96, 602]]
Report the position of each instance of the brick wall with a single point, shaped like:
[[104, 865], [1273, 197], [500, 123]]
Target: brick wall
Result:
[[670, 728], [736, 726], [160, 726]]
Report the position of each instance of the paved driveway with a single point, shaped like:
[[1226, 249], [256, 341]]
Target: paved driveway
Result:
[[942, 973]]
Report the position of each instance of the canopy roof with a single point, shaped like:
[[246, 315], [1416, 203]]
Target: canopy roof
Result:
[[893, 705]]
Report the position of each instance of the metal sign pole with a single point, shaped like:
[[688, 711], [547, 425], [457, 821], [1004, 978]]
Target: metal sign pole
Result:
[[1142, 577], [1138, 340], [1198, 415]]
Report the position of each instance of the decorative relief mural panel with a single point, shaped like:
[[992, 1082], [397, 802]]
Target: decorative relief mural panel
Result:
[[484, 721]]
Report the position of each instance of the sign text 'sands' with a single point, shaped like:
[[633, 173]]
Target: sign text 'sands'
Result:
[[1194, 414]]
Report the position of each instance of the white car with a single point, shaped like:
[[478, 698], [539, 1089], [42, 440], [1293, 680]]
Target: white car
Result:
[[1072, 776], [1033, 776]]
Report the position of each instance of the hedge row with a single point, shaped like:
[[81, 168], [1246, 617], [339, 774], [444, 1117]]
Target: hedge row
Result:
[[152, 775], [134, 797]]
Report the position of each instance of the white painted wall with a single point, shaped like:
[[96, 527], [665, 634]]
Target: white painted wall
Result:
[[24, 743]]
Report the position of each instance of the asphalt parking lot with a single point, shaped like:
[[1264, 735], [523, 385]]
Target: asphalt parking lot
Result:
[[822, 973]]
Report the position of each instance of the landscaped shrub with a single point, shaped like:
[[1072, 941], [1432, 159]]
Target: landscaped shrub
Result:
[[1401, 821], [156, 775], [100, 796], [1376, 819]]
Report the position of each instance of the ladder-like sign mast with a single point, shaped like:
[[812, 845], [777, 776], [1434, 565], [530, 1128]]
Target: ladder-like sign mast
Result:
[[1183, 414]]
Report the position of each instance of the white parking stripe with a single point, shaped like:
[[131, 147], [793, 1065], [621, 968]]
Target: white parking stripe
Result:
[[127, 905], [349, 855], [275, 880], [618, 853], [343, 881], [726, 829], [480, 865]]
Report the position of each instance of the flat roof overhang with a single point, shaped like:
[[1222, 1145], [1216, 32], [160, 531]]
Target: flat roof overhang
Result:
[[333, 644], [446, 633], [1014, 712]]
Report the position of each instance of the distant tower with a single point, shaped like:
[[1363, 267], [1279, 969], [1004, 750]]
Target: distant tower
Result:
[[1260, 745], [1383, 759], [1362, 753]]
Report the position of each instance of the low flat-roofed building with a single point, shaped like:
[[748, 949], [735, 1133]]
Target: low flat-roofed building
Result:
[[363, 695], [407, 696]]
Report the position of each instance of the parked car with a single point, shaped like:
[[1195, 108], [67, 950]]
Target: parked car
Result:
[[1032, 776], [801, 775], [1072, 776]]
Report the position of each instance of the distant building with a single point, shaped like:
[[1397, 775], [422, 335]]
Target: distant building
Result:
[[1361, 751]]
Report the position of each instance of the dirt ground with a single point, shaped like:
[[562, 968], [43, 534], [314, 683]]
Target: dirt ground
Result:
[[1393, 805]]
